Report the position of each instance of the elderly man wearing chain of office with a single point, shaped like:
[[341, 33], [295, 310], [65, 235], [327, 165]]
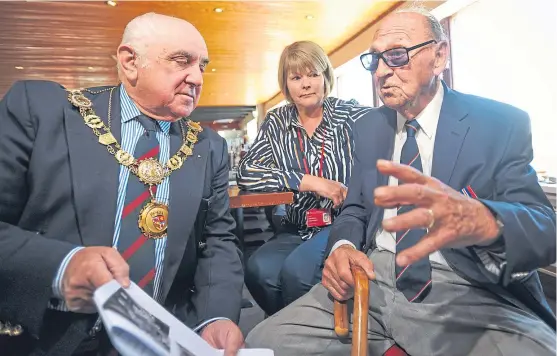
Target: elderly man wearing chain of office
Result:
[[452, 253], [111, 183]]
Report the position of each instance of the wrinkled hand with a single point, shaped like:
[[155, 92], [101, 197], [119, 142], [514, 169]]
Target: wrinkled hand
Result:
[[337, 273], [89, 269], [452, 219], [327, 188], [224, 334]]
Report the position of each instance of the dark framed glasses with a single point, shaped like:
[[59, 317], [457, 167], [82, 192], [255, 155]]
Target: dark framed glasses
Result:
[[394, 57]]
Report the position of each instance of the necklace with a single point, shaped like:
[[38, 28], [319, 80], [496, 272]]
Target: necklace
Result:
[[153, 217]]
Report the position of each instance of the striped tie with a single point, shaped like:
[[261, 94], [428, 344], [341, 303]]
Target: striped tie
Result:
[[414, 280], [136, 248]]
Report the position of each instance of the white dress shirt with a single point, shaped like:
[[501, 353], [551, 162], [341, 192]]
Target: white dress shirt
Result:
[[425, 138]]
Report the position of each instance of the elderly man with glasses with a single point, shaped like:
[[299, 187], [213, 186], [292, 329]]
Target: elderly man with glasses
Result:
[[444, 214]]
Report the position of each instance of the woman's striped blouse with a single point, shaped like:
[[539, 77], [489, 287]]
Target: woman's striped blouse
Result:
[[275, 163]]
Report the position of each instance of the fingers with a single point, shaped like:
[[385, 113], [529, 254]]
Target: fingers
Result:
[[402, 172], [345, 279], [80, 301], [337, 200], [234, 341], [365, 263], [332, 283], [117, 266], [99, 276], [337, 274], [406, 194], [342, 194], [430, 243], [337, 277], [416, 218], [208, 336], [335, 191], [224, 334]]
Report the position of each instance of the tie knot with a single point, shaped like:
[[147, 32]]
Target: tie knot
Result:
[[411, 128], [147, 123]]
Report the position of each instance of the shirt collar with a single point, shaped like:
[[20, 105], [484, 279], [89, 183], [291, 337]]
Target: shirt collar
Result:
[[129, 110], [294, 120], [429, 117]]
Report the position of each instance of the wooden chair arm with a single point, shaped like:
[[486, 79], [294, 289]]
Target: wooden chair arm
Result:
[[361, 305]]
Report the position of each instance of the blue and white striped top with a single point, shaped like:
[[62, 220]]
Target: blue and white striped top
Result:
[[275, 162], [131, 131]]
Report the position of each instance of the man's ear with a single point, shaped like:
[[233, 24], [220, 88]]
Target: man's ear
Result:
[[441, 57], [127, 62]]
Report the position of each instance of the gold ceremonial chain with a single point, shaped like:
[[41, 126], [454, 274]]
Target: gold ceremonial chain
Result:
[[7, 329], [153, 217]]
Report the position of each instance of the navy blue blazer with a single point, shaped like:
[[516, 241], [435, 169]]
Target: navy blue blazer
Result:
[[481, 143], [58, 190]]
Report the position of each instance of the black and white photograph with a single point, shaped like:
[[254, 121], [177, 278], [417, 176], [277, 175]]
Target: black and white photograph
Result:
[[121, 303]]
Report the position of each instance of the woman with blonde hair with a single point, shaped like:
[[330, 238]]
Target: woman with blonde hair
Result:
[[306, 147]]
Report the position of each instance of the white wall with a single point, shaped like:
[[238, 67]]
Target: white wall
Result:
[[354, 82], [251, 130], [507, 50]]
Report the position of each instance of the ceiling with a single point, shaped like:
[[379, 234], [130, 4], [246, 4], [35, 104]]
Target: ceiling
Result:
[[73, 42]]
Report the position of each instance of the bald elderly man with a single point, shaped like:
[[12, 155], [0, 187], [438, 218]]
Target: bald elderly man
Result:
[[114, 183], [444, 213]]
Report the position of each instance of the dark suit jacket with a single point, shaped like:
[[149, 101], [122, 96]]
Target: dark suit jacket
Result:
[[481, 143], [58, 189]]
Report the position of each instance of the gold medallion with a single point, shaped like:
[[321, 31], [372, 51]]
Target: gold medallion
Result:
[[153, 220], [150, 171]]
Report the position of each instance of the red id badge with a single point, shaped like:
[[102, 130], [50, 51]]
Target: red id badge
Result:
[[318, 217]]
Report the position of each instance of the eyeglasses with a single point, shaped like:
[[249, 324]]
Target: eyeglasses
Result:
[[394, 57]]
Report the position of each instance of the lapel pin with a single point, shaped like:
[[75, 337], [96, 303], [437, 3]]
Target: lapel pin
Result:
[[198, 156]]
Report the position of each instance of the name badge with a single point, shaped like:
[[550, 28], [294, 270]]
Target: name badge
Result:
[[318, 217]]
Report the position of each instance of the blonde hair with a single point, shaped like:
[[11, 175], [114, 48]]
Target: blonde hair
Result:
[[303, 55]]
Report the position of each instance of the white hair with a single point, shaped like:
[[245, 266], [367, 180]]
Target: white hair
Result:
[[434, 25]]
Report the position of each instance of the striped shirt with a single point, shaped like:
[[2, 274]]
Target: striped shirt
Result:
[[274, 162], [131, 131]]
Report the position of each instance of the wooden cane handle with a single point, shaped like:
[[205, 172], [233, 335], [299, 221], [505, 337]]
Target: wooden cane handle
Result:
[[341, 318], [361, 305]]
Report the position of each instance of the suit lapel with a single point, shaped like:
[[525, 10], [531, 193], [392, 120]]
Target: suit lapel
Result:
[[94, 171], [386, 140], [185, 196], [451, 132], [383, 147]]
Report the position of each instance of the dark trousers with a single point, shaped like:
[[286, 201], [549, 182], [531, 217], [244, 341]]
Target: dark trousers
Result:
[[285, 268], [25, 345]]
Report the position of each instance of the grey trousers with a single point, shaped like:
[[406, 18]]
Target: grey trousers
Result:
[[455, 319]]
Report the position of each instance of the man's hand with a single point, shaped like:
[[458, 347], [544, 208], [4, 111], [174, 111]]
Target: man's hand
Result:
[[452, 219], [224, 334], [325, 188], [89, 269], [337, 273]]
